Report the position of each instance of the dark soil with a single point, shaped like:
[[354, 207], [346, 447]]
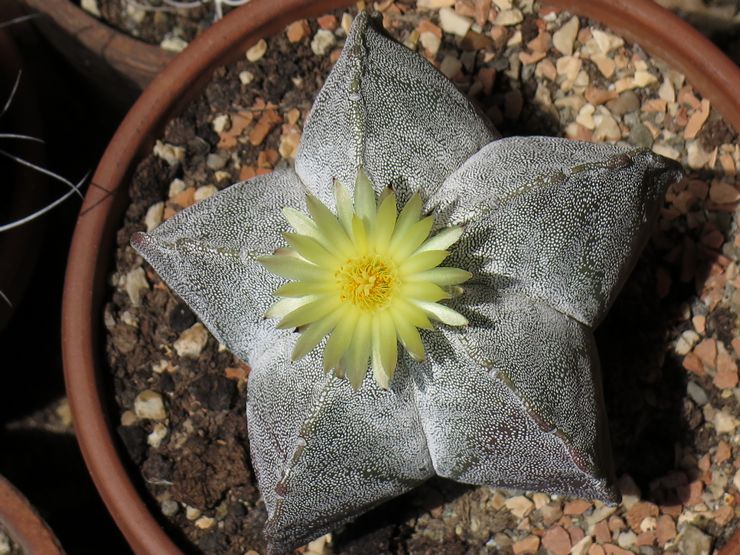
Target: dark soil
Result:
[[199, 477]]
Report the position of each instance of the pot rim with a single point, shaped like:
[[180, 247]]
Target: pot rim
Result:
[[25, 526], [658, 30]]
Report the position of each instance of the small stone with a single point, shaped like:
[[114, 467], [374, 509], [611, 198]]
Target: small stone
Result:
[[153, 216], [453, 23], [346, 22], [638, 512], [191, 341], [696, 121], [736, 480], [204, 192], [667, 92], [430, 42], [246, 77], [150, 405], [90, 6], [724, 422], [158, 433], [599, 514], [693, 541], [630, 491], [576, 507], [267, 122], [665, 530], [434, 4], [540, 500], [611, 549], [169, 507], [723, 193], [171, 154], [607, 129], [564, 38], [297, 30], [585, 116], [519, 506], [627, 102], [322, 42], [191, 513], [205, 522], [723, 453], [626, 539], [507, 18], [216, 161], [596, 550], [667, 151], [328, 22], [177, 186], [546, 69], [697, 157], [641, 136], [604, 64], [173, 44], [135, 283], [221, 123], [551, 513], [643, 79], [557, 540], [450, 66], [606, 41], [530, 544], [256, 51], [128, 418], [582, 546], [697, 394]]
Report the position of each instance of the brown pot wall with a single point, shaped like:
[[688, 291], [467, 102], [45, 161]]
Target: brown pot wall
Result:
[[661, 33], [118, 65], [26, 528]]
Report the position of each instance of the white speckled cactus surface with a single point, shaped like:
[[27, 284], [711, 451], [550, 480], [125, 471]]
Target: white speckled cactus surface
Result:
[[454, 338]]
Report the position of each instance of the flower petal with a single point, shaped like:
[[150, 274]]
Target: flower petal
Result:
[[514, 400], [387, 109], [216, 242], [324, 453], [564, 219]]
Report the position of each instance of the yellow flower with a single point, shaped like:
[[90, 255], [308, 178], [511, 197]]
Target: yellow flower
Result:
[[367, 277]]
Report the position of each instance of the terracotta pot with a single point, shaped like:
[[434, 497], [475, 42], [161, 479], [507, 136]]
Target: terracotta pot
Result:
[[25, 526], [662, 33], [118, 65]]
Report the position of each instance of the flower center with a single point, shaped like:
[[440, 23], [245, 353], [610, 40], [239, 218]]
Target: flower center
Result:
[[367, 282]]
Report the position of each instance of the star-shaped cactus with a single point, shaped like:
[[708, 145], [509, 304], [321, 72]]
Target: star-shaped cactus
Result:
[[505, 387]]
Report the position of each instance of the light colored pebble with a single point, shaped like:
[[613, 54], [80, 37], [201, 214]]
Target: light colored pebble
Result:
[[629, 490], [564, 38], [697, 157], [697, 394], [216, 161], [135, 283], [586, 116], [693, 541], [169, 507], [666, 91], [434, 4], [90, 6], [4, 544], [519, 506], [171, 154], [582, 546], [644, 78], [153, 216], [191, 513], [134, 12], [723, 193], [128, 418], [453, 23], [648, 524], [346, 22], [503, 4], [159, 367], [173, 43], [221, 123], [604, 64], [158, 433], [509, 17], [599, 514], [177, 186], [150, 405], [606, 41], [607, 128], [430, 42], [191, 341], [323, 41], [129, 319], [450, 66], [205, 522], [256, 51], [204, 192], [724, 422], [626, 539], [667, 151], [320, 546], [246, 77], [686, 342]]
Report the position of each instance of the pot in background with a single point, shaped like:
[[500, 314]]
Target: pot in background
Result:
[[25, 527], [658, 31]]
